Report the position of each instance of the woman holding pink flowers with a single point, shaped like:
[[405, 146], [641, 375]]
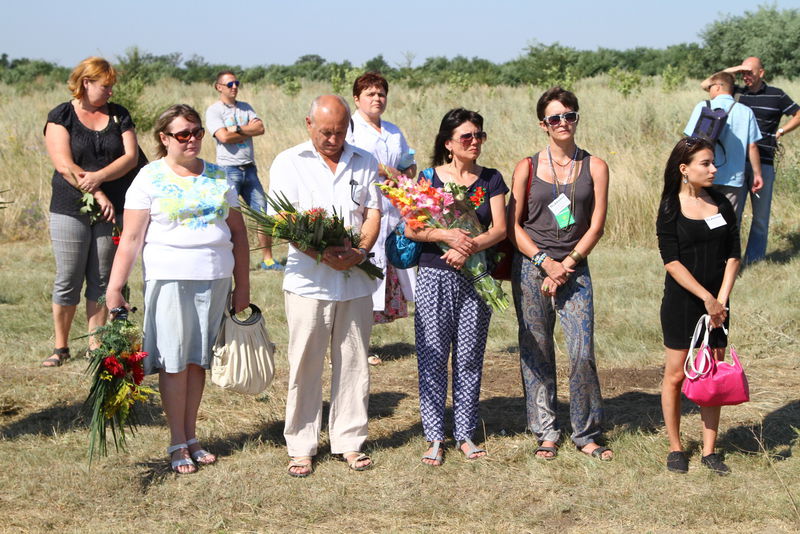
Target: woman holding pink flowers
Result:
[[450, 316]]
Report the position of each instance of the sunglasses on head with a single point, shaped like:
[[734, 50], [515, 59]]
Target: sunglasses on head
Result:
[[468, 137], [571, 117], [234, 83], [185, 135]]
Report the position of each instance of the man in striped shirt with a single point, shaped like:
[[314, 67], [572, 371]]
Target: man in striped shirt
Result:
[[769, 104]]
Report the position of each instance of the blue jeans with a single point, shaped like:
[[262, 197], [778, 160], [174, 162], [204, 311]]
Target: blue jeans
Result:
[[245, 179], [761, 204]]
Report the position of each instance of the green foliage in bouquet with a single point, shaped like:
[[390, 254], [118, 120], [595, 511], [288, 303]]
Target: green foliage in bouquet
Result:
[[312, 229]]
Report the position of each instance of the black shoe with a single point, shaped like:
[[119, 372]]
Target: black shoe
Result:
[[677, 462], [714, 462]]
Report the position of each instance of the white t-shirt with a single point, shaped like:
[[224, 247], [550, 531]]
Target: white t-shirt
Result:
[[302, 175], [188, 237]]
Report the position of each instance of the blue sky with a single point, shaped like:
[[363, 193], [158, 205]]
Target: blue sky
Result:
[[253, 33]]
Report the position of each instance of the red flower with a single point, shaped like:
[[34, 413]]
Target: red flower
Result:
[[115, 239], [138, 374], [113, 366], [137, 357]]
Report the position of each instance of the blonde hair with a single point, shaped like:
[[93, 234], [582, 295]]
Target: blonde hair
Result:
[[92, 68]]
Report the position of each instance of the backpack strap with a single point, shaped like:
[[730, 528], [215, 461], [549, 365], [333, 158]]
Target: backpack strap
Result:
[[708, 104]]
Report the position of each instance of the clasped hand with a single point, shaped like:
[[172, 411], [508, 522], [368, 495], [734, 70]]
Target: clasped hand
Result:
[[716, 311], [557, 271], [341, 258]]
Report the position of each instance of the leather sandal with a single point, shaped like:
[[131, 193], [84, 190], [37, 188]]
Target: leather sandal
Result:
[[598, 453], [541, 448], [305, 462], [58, 358], [175, 464], [473, 450], [200, 453], [353, 457], [436, 455]]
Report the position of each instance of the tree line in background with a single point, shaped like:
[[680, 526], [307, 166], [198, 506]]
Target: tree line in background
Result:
[[770, 33]]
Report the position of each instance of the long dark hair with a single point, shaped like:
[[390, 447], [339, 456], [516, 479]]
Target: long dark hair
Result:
[[452, 120], [683, 153]]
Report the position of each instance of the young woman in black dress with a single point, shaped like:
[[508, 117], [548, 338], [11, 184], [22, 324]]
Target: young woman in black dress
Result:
[[698, 238]]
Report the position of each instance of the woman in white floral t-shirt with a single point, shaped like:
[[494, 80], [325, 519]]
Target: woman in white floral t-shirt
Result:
[[177, 212]]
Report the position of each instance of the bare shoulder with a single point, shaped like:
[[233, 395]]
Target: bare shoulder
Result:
[[598, 167]]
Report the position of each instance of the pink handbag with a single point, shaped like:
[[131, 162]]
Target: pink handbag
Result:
[[708, 381]]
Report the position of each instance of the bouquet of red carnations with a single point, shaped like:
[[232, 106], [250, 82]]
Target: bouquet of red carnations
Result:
[[313, 229], [117, 372], [451, 206]]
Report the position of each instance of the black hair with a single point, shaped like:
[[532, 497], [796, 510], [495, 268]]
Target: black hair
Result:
[[452, 120], [683, 153]]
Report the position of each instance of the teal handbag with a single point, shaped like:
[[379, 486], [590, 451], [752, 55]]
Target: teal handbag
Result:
[[402, 252]]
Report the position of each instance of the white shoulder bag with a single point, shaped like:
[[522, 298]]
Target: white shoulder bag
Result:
[[243, 354]]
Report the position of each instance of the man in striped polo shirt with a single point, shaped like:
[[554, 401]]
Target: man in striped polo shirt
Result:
[[768, 104]]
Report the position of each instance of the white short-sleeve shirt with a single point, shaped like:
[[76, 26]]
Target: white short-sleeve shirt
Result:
[[187, 237], [305, 179]]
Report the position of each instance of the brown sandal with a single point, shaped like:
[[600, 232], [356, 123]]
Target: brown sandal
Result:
[[58, 358]]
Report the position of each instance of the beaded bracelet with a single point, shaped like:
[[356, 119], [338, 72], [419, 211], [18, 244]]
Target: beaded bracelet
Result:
[[538, 258]]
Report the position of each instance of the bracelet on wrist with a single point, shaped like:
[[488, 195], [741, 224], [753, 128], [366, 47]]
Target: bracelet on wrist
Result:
[[577, 256], [539, 257]]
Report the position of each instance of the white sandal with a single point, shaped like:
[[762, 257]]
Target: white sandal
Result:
[[199, 453], [175, 464]]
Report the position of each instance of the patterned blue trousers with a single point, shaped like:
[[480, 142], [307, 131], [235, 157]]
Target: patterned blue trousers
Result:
[[536, 316], [449, 313]]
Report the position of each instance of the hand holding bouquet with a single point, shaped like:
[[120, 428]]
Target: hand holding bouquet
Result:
[[117, 372], [452, 206], [310, 230]]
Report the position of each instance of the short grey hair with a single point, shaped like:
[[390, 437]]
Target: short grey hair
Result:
[[315, 105]]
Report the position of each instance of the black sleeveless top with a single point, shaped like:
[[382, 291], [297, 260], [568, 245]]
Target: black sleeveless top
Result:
[[92, 150], [541, 225]]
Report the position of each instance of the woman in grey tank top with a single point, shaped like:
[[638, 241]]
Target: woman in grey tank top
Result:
[[558, 201]]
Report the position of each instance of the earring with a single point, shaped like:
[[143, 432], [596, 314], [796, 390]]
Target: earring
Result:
[[449, 155], [685, 178]]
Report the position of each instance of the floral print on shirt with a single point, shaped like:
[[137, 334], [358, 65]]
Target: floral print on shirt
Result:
[[192, 201]]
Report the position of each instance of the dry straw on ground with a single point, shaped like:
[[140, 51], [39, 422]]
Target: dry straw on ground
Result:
[[47, 485]]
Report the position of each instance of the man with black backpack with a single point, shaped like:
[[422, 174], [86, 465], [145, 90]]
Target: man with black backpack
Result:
[[769, 104], [733, 129]]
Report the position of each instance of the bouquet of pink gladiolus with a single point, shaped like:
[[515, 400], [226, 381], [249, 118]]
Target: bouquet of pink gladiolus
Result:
[[422, 205]]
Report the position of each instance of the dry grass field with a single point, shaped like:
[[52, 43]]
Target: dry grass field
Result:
[[47, 484]]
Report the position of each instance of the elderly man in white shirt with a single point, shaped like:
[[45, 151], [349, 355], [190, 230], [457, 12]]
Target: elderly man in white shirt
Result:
[[328, 303]]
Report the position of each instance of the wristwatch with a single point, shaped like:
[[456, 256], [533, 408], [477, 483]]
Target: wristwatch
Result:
[[780, 131], [238, 129], [366, 254]]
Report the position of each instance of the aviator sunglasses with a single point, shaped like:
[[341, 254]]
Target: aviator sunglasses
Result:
[[231, 85], [571, 117], [467, 138], [184, 136]]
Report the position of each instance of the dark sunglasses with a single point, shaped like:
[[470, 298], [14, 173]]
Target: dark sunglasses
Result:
[[554, 120], [230, 85], [185, 135], [468, 137]]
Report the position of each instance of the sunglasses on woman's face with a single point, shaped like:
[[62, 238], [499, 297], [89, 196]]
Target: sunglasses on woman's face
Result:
[[234, 83], [571, 117], [184, 136], [467, 138]]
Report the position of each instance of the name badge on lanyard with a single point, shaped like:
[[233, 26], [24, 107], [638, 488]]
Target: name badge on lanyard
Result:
[[715, 221], [560, 208]]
